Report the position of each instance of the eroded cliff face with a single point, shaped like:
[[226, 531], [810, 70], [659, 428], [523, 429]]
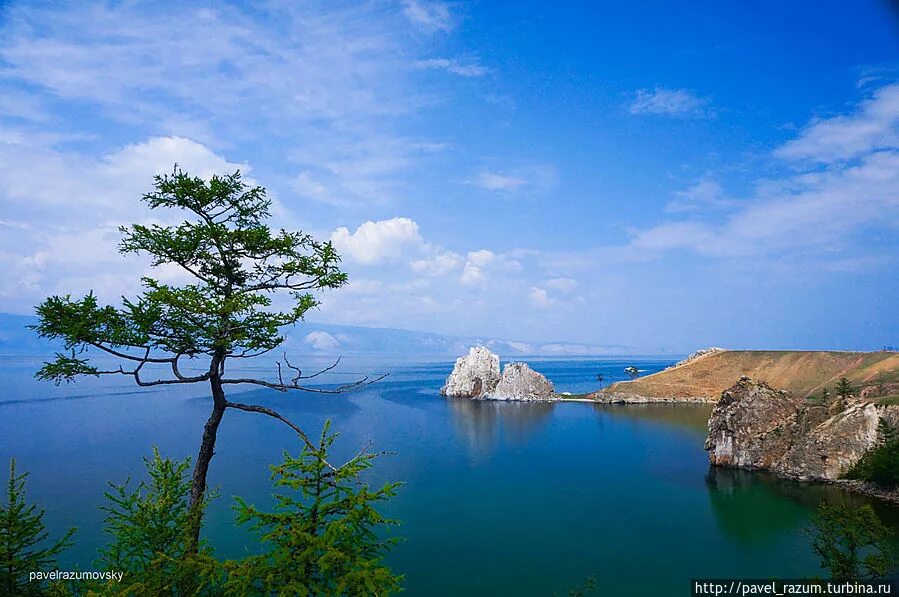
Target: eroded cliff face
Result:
[[474, 375], [520, 382], [755, 426], [746, 428]]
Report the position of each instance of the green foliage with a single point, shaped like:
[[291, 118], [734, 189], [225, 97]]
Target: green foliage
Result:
[[844, 388], [23, 540], [851, 542], [149, 534], [880, 465], [237, 263], [825, 395], [322, 535]]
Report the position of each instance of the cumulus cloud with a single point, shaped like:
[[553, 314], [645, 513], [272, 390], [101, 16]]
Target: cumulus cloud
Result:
[[378, 242], [440, 264], [479, 265], [681, 103], [323, 341], [63, 212]]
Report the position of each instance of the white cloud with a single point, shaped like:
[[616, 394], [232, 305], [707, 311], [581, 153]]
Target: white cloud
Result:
[[321, 341], [532, 178], [813, 209], [671, 102], [480, 265], [470, 69], [378, 242], [62, 212], [440, 264], [703, 194], [430, 16], [809, 210], [562, 284], [873, 125], [328, 85], [499, 182]]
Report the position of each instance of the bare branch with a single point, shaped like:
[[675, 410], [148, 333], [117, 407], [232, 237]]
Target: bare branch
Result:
[[135, 373], [284, 387], [301, 376], [255, 408], [294, 383]]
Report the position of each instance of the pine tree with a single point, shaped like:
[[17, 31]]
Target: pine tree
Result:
[[323, 532], [151, 539], [22, 535], [851, 542], [844, 388], [880, 464], [237, 265]]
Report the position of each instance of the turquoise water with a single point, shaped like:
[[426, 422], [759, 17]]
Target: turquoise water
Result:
[[499, 499]]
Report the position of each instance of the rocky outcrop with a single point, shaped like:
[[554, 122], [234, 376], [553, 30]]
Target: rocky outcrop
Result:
[[745, 429], [474, 375], [755, 426], [520, 382], [831, 448], [702, 352]]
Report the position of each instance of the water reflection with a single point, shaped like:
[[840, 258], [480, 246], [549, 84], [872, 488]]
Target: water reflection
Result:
[[481, 423], [754, 506], [691, 417]]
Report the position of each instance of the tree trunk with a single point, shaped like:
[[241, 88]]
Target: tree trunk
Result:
[[207, 450]]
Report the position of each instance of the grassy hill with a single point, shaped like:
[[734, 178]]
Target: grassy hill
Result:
[[804, 373]]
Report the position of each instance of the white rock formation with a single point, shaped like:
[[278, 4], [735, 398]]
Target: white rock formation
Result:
[[520, 382], [474, 376]]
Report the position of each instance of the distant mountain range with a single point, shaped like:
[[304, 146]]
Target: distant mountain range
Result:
[[331, 339]]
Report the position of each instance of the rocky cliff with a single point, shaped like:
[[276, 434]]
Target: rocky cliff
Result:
[[477, 375], [474, 375], [520, 382], [755, 426]]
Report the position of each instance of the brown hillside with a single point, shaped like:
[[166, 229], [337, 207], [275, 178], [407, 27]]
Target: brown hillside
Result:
[[804, 373]]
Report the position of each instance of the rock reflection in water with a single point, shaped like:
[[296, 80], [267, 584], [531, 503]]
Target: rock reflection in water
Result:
[[480, 422], [754, 506]]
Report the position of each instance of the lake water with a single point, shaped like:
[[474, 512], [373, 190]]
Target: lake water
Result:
[[499, 498]]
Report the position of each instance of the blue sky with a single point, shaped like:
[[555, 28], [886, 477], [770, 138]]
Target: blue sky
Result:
[[661, 175]]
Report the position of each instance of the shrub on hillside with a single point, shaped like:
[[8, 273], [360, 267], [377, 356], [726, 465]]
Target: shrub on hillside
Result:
[[880, 465]]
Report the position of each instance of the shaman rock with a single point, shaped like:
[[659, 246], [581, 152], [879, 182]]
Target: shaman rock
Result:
[[474, 375]]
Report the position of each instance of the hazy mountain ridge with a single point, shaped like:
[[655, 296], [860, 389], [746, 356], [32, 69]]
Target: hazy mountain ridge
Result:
[[332, 339]]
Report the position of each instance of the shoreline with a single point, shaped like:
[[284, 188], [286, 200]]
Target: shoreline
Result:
[[617, 398]]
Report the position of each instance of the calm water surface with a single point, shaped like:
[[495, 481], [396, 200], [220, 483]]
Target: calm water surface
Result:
[[517, 499]]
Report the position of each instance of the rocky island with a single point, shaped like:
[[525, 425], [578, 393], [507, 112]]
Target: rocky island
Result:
[[477, 375]]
